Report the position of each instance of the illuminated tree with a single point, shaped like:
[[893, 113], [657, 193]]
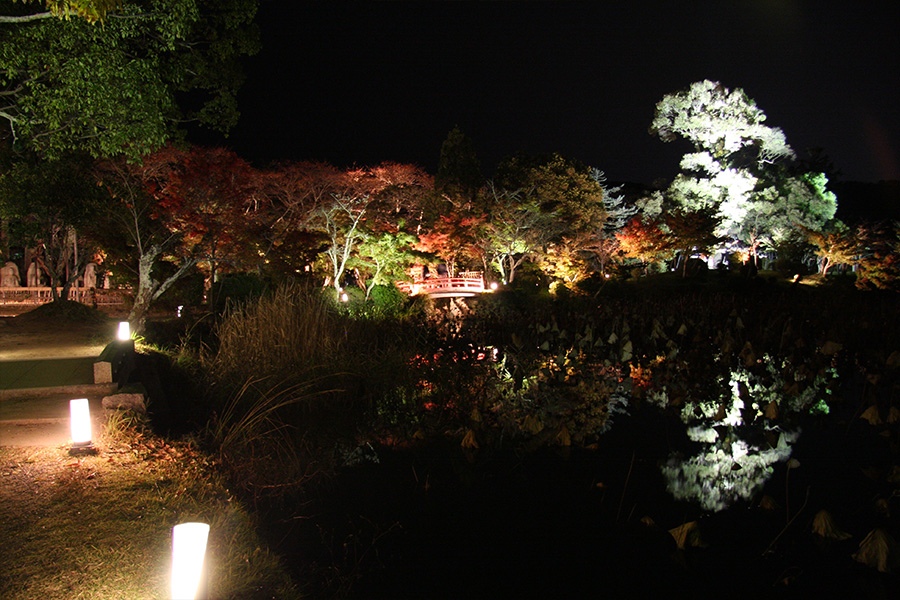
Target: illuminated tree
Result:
[[205, 193], [166, 216], [341, 220], [721, 124], [645, 240], [776, 212], [693, 231], [604, 246], [518, 229], [564, 188], [90, 10], [116, 87], [454, 238], [285, 200], [835, 245], [401, 194], [879, 262], [733, 169], [567, 261], [561, 212], [383, 259]]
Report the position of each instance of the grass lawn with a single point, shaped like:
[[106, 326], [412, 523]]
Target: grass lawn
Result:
[[100, 526]]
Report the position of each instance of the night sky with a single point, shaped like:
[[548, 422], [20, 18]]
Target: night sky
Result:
[[360, 83]]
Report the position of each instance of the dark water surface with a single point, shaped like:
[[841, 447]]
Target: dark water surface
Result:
[[432, 522]]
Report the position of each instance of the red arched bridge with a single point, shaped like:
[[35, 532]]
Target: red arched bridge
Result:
[[464, 284]]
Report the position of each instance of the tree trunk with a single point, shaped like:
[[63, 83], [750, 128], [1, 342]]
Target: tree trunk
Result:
[[149, 290], [140, 309], [144, 294]]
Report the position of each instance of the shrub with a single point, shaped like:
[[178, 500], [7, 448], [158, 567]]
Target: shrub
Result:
[[236, 288]]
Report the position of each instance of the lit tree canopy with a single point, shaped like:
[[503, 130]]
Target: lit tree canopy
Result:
[[90, 10], [835, 245], [519, 229], [645, 240], [733, 169], [693, 231], [720, 123], [123, 86], [563, 187], [177, 209]]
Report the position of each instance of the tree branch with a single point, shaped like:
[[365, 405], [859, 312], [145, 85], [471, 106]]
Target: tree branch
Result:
[[26, 18]]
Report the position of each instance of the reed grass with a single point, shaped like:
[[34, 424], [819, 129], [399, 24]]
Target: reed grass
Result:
[[282, 337]]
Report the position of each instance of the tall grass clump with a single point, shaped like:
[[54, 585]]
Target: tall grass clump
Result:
[[291, 374], [283, 336]]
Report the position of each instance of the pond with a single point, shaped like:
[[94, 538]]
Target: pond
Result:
[[432, 522]]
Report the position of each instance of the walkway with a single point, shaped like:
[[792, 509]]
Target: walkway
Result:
[[42, 367]]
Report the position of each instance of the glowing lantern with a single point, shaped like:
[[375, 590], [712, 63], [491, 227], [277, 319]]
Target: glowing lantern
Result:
[[124, 331], [188, 551], [80, 421], [344, 297], [494, 286]]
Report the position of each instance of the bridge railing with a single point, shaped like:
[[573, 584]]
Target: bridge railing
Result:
[[465, 283], [43, 295]]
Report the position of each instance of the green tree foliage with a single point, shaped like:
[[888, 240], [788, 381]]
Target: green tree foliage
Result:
[[519, 229], [123, 86], [90, 10], [47, 206], [774, 213], [564, 187], [605, 246], [383, 259], [562, 197], [458, 177], [733, 168]]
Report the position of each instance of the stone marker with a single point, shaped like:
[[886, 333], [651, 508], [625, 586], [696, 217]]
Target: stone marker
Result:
[[102, 372]]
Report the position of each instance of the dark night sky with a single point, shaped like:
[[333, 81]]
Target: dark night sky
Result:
[[372, 81]]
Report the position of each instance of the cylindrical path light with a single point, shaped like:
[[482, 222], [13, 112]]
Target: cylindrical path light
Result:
[[188, 552], [80, 423]]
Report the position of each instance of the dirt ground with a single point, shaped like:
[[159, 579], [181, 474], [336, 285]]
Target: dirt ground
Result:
[[24, 337]]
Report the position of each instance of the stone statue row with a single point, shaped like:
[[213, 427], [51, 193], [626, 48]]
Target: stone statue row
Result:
[[9, 275]]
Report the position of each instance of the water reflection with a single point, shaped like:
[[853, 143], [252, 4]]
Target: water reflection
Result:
[[742, 434]]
